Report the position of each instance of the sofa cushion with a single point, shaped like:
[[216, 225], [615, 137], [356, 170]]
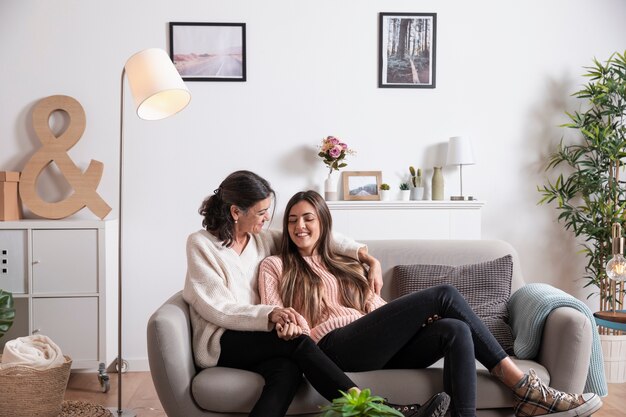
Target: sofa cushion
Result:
[[229, 390], [486, 286]]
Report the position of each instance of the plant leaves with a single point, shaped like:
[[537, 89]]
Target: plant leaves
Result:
[[7, 311]]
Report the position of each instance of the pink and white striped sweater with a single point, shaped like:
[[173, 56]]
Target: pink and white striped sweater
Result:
[[270, 275]]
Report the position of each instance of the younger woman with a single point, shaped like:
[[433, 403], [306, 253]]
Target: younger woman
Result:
[[360, 332]]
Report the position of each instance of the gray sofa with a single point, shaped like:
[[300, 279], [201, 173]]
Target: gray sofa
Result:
[[186, 391]]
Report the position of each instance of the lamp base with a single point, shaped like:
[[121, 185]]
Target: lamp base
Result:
[[457, 198], [121, 413]]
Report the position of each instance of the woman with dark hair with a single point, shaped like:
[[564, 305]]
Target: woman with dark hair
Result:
[[230, 327], [361, 332]]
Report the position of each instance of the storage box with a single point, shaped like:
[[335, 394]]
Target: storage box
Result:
[[10, 207]]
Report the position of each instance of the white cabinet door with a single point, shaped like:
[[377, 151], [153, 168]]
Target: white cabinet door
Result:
[[13, 255], [65, 261], [72, 323]]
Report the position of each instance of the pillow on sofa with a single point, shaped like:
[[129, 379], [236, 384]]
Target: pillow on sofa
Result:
[[486, 286]]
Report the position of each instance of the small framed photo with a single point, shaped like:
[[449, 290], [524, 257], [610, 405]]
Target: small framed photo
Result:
[[362, 185], [407, 43], [209, 51]]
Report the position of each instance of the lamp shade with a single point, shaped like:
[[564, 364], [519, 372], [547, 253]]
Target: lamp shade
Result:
[[156, 86], [460, 151]]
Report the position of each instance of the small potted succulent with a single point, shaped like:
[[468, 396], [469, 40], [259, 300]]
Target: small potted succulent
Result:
[[356, 403], [417, 189], [385, 191], [405, 191]]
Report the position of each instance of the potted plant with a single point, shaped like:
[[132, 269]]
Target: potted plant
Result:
[[7, 312], [355, 403], [405, 192], [589, 194], [385, 191], [417, 192], [333, 153]]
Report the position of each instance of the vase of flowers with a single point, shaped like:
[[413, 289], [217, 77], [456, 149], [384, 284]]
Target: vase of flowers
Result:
[[333, 152]]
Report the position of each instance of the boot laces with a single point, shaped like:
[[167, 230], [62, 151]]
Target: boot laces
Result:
[[536, 383]]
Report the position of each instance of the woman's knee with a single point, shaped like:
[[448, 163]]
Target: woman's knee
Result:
[[455, 330], [447, 290], [304, 343]]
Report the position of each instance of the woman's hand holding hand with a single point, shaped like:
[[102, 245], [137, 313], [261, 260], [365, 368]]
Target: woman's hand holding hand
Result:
[[288, 331], [283, 316]]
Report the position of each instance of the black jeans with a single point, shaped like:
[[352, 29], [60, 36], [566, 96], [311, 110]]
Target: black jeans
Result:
[[281, 363], [392, 337]]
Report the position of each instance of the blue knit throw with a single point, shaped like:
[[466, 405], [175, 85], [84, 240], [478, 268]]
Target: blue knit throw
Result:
[[529, 307]]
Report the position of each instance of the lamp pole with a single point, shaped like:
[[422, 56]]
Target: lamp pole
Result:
[[159, 92]]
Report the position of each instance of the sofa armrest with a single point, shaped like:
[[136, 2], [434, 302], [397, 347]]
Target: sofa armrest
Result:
[[566, 349], [171, 358]]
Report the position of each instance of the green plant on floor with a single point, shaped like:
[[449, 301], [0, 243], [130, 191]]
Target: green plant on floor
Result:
[[7, 312], [384, 186], [590, 195], [355, 403], [404, 186]]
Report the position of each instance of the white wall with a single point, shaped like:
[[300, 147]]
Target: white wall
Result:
[[505, 72]]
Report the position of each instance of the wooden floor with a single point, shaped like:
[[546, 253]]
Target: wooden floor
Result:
[[139, 394]]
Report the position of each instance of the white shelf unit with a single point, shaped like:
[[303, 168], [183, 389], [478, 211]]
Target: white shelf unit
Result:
[[56, 270], [407, 219]]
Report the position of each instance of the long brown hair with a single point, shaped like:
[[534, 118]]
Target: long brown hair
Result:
[[301, 287]]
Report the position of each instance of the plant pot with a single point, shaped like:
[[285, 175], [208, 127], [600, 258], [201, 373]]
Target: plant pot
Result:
[[330, 187], [385, 195], [417, 193], [405, 195], [614, 352]]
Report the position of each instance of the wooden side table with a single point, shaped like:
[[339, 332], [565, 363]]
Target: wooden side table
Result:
[[612, 320]]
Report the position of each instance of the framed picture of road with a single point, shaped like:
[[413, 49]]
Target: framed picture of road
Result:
[[407, 43], [209, 51]]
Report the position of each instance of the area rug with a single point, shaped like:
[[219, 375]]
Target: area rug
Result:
[[83, 409]]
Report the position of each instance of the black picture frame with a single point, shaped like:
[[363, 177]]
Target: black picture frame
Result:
[[209, 51], [401, 34]]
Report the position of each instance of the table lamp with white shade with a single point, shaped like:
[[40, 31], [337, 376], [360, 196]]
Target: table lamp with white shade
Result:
[[460, 153], [158, 92]]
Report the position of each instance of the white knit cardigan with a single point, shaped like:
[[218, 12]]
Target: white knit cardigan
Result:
[[212, 272]]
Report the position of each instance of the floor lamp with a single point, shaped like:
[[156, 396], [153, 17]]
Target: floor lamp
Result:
[[158, 92]]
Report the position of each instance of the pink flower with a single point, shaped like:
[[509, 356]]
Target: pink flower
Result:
[[335, 151], [333, 140], [343, 146]]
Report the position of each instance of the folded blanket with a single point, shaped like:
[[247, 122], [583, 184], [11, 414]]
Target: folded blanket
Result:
[[530, 306], [37, 351]]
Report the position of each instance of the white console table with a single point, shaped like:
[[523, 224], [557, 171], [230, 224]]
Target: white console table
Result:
[[407, 219]]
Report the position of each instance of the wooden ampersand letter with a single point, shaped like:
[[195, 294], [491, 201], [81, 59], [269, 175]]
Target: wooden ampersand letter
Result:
[[55, 149]]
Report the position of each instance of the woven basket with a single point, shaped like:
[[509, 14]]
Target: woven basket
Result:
[[29, 392]]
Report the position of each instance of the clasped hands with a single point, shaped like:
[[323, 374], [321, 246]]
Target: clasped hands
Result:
[[286, 322]]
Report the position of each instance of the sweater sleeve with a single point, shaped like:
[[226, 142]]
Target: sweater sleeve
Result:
[[206, 291], [346, 246], [270, 273], [376, 301]]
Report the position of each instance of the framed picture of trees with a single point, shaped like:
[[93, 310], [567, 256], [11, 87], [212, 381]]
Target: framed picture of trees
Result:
[[407, 50]]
